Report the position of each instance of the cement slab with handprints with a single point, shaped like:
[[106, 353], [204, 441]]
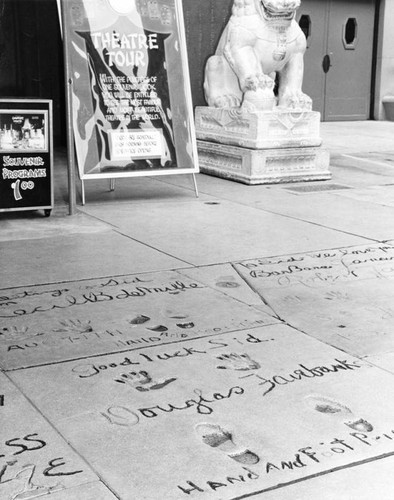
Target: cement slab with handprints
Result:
[[52, 323], [218, 418], [34, 460], [343, 297]]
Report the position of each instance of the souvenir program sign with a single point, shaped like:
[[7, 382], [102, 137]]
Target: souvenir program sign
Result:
[[130, 106], [26, 156]]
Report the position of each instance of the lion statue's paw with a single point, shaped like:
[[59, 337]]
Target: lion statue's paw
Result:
[[259, 100], [256, 82], [251, 82], [227, 101], [266, 83], [295, 99]]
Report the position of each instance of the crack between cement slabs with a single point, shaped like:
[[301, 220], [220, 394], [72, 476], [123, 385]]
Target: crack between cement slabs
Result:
[[265, 301], [154, 248], [318, 474], [91, 356]]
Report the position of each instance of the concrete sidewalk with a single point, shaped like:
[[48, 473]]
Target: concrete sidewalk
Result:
[[162, 346]]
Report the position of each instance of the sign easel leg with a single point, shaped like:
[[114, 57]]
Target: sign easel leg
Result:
[[83, 191], [70, 154], [195, 185]]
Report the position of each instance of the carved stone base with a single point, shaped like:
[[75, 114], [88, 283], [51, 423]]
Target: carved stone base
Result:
[[259, 130], [264, 166]]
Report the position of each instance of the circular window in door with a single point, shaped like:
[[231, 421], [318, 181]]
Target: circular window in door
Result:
[[350, 32]]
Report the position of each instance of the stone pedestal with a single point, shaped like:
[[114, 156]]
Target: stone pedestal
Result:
[[263, 147]]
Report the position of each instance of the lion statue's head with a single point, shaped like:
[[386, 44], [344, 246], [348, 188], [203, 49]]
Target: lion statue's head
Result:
[[270, 10], [277, 9]]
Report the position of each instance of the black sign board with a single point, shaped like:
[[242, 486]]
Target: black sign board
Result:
[[130, 103], [26, 155]]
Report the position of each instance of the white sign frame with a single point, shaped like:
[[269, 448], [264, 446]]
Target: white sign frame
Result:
[[185, 120]]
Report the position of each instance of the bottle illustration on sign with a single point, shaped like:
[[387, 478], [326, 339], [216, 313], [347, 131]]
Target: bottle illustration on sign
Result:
[[6, 138], [26, 133], [15, 137], [37, 140]]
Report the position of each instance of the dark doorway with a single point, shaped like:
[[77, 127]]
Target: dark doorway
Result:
[[31, 56], [204, 22]]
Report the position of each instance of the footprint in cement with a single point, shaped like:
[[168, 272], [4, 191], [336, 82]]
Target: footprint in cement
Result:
[[181, 318], [215, 436], [140, 319], [329, 406], [227, 282], [186, 326], [142, 381], [158, 328], [240, 362], [175, 314]]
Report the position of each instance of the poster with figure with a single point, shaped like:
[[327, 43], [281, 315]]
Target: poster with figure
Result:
[[131, 106], [23, 130]]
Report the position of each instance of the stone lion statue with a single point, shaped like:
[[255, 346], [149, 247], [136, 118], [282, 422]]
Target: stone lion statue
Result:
[[261, 41]]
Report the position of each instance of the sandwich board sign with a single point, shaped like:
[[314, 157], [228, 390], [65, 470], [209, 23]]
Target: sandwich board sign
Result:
[[130, 102], [26, 155]]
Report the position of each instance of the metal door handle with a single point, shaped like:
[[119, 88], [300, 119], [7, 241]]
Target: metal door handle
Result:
[[326, 63]]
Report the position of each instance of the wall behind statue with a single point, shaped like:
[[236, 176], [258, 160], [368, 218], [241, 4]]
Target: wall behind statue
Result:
[[204, 22], [31, 60]]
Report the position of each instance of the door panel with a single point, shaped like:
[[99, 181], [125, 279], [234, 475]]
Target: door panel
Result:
[[313, 15], [348, 82], [338, 60]]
